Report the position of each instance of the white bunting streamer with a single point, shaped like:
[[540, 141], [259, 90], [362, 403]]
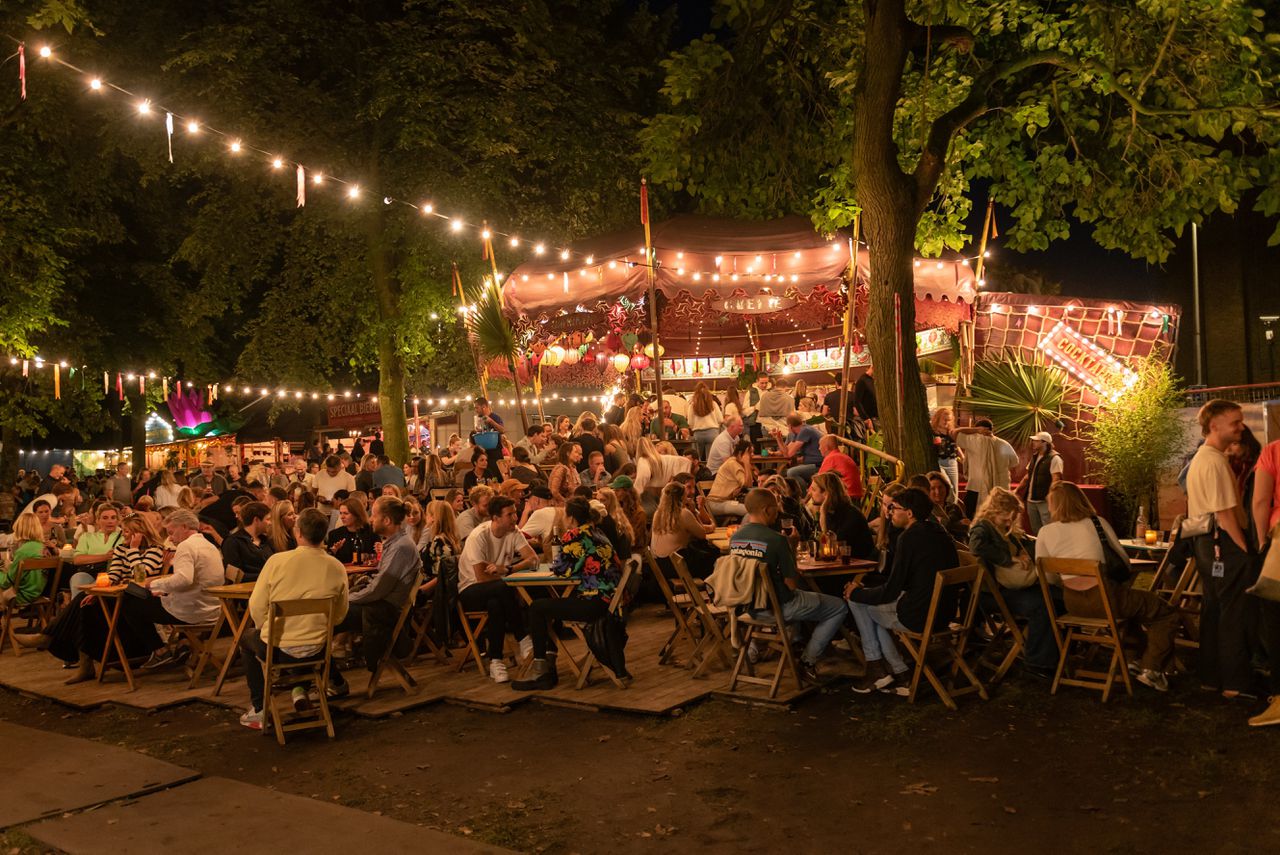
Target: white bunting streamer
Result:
[[168, 129]]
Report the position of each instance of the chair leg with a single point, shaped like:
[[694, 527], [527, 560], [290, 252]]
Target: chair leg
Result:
[[788, 661], [742, 659]]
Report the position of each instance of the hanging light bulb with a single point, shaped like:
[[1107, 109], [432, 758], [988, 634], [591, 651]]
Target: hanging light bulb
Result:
[[317, 178], [564, 255], [353, 191], [277, 163], [95, 84], [515, 241], [235, 146], [455, 224], [427, 207], [539, 249], [144, 107], [46, 51], [193, 127]]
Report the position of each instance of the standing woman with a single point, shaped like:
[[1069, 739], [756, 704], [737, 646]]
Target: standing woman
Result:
[[732, 402], [943, 422], [564, 477], [633, 426], [280, 531], [564, 427], [801, 392], [705, 419]]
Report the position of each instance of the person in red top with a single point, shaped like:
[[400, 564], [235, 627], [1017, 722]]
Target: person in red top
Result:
[[835, 460]]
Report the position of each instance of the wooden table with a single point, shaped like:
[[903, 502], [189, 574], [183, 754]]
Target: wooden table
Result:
[[1141, 546], [811, 570], [526, 580], [114, 593], [228, 596], [760, 461]]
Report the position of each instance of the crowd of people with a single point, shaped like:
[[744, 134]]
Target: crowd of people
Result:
[[587, 494]]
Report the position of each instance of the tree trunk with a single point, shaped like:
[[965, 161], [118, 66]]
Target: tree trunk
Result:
[[890, 214], [138, 429], [8, 455], [515, 379], [386, 289]]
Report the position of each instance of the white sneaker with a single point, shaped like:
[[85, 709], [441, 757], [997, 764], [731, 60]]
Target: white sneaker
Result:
[[526, 648], [1154, 680], [753, 653], [498, 672], [252, 719]]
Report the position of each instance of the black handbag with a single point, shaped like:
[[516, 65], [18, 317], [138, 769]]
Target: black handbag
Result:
[[1117, 566]]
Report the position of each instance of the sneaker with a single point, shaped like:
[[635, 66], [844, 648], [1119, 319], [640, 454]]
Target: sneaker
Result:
[[1269, 716], [252, 719], [808, 672], [160, 659], [898, 685], [498, 672], [753, 653], [1153, 679], [526, 648], [301, 701], [876, 678], [338, 690]]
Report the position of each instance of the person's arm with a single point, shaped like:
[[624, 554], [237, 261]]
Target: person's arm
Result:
[[528, 558], [258, 603], [183, 573], [792, 448], [1263, 489]]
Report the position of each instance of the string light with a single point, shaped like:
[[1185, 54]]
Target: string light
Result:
[[46, 51], [277, 163], [193, 127], [353, 191], [95, 84], [144, 107], [455, 224], [235, 146]]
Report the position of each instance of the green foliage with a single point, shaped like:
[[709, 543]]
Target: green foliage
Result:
[[489, 328], [1020, 398], [1133, 441], [1136, 118]]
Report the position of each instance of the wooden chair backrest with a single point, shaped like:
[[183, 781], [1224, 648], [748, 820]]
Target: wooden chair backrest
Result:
[[281, 609], [1076, 567], [966, 574], [762, 578], [704, 487], [620, 593], [690, 584], [51, 580]]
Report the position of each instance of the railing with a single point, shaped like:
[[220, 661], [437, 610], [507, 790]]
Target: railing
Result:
[[1254, 394], [873, 483]]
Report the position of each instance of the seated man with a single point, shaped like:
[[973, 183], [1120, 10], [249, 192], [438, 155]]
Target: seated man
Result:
[[722, 447], [675, 425], [305, 573], [758, 539], [922, 551], [494, 549], [196, 565], [835, 460], [801, 440], [248, 548], [375, 608], [540, 516], [479, 498]]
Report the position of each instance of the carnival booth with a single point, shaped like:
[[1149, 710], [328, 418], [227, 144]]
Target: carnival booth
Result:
[[733, 296]]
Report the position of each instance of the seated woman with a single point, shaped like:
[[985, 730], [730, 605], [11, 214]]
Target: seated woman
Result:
[[586, 555], [479, 471], [1077, 532], [564, 477], [790, 506], [675, 528], [615, 524], [353, 534], [79, 633], [522, 468], [839, 516], [996, 539], [902, 602], [435, 475], [946, 510], [280, 529], [28, 537], [733, 478]]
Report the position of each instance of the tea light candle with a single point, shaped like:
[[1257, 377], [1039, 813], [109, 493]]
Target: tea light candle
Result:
[[103, 580], [1153, 536]]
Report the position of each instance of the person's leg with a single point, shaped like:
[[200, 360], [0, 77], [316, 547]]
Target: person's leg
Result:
[[885, 620], [80, 579], [1160, 619], [1235, 657], [487, 597], [871, 649], [513, 613], [1037, 515], [824, 611], [253, 652], [803, 473], [1041, 649], [951, 468], [540, 626], [1210, 614]]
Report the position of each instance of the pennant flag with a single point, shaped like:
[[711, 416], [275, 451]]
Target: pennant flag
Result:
[[119, 386], [995, 231], [22, 69], [164, 387], [168, 130], [57, 382], [644, 201], [24, 368], [302, 186], [179, 387], [106, 383], [142, 384]]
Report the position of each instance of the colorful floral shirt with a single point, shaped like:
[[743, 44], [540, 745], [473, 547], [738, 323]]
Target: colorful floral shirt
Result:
[[587, 554]]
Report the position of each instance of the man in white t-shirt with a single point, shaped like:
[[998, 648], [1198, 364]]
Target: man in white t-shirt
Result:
[[494, 549], [331, 479], [988, 461], [1223, 557]]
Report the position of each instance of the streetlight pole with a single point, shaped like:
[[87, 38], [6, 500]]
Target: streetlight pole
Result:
[[1195, 299]]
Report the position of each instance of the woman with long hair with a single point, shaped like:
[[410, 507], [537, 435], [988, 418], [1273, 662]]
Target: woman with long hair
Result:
[[188, 500], [942, 423], [632, 427], [455, 499], [801, 393], [353, 534], [168, 492], [615, 523], [564, 427], [435, 476], [732, 402], [996, 539], [616, 454], [676, 528], [629, 504], [881, 526], [564, 477], [835, 513], [479, 471], [440, 522], [28, 539], [946, 510], [280, 524], [705, 419]]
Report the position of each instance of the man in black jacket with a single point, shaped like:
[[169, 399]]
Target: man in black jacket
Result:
[[902, 603], [248, 548]]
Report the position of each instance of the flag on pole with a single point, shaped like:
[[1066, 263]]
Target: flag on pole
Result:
[[644, 202], [168, 130], [57, 382], [302, 186], [22, 69]]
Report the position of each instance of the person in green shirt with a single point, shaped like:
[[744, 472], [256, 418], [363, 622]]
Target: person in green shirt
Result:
[[94, 548], [29, 535], [676, 425]]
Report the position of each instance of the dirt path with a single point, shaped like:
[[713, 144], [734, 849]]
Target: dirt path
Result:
[[1024, 772]]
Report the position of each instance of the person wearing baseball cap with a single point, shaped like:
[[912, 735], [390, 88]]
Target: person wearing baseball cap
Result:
[[541, 516], [1044, 469]]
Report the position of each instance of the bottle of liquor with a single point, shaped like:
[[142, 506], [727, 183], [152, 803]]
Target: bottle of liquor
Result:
[[1140, 528], [555, 543]]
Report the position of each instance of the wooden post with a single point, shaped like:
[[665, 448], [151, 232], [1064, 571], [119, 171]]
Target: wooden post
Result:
[[848, 321], [982, 243], [651, 267]]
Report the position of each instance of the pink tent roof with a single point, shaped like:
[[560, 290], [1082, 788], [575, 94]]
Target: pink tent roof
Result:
[[711, 258]]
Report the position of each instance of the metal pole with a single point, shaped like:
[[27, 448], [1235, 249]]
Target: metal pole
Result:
[[1195, 300], [841, 417]]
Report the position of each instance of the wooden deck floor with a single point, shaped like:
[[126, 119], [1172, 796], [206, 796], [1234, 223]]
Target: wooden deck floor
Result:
[[655, 690]]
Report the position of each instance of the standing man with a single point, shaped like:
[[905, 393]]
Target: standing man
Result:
[[486, 418], [801, 440], [57, 475], [615, 414], [120, 488], [1223, 556], [988, 460], [1266, 518], [208, 479], [864, 398], [1044, 469], [376, 446], [332, 479]]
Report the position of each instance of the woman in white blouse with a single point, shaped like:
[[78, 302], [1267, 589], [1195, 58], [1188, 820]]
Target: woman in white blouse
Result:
[[705, 419]]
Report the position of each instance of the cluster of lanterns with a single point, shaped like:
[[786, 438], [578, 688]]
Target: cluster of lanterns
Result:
[[622, 352]]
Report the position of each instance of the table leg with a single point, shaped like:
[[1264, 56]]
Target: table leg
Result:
[[113, 642], [237, 631]]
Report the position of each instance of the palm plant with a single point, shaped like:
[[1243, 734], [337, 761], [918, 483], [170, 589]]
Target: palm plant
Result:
[[1020, 398], [494, 339]]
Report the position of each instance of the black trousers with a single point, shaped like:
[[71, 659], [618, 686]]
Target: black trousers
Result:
[[253, 652], [970, 503], [503, 608], [542, 612], [1228, 616], [374, 621]]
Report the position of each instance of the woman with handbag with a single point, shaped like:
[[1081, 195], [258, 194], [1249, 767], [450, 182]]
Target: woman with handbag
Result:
[[1076, 532], [996, 539]]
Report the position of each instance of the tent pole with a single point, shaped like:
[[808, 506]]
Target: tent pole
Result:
[[848, 321], [650, 266]]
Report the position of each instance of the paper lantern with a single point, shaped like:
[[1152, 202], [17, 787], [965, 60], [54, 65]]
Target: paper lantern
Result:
[[639, 362], [554, 356], [629, 340], [602, 358], [613, 341], [648, 350], [571, 356], [621, 362]]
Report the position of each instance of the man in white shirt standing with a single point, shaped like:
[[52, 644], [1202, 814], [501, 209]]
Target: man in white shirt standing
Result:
[[494, 549], [988, 461], [332, 479], [1223, 556], [196, 565]]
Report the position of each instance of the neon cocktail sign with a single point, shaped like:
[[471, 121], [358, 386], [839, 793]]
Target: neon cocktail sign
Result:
[[1087, 362]]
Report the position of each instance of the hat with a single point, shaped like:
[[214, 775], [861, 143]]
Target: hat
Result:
[[598, 507], [540, 491], [512, 485], [622, 482], [1043, 436]]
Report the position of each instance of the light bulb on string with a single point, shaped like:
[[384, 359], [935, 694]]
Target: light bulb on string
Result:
[[353, 191], [193, 127], [95, 84], [277, 163], [144, 107], [539, 249], [235, 146], [515, 241], [317, 178], [46, 51], [485, 234], [455, 224], [564, 255]]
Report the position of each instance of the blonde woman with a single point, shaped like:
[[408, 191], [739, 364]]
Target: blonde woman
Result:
[[996, 539], [168, 493], [415, 522], [802, 395], [942, 423], [28, 537], [674, 528], [705, 419], [441, 522], [616, 454], [188, 500], [615, 516], [435, 474], [280, 529], [632, 428], [654, 469]]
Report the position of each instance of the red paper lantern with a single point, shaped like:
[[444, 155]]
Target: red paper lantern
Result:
[[639, 362]]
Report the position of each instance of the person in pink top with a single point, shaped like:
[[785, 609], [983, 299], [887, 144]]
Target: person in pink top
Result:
[[835, 460], [1265, 507]]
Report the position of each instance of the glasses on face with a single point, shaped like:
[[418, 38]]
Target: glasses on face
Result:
[[891, 507]]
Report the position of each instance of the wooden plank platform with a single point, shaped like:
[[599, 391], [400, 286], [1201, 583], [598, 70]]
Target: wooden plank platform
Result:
[[655, 690]]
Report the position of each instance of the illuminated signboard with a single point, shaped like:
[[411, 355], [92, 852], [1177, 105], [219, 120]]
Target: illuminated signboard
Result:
[[928, 341], [1087, 362], [762, 305]]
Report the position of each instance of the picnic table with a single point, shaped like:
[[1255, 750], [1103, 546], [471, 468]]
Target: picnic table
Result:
[[525, 581], [781, 461], [1144, 548]]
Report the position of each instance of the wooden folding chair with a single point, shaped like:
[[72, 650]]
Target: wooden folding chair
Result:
[[437, 494], [202, 637], [1070, 630], [682, 611], [771, 632], [473, 624], [38, 613], [704, 487], [589, 661], [714, 620], [315, 669], [420, 631], [951, 638], [388, 661]]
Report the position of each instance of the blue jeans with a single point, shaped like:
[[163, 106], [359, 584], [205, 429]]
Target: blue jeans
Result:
[[803, 473], [875, 626], [950, 467], [702, 440], [1038, 515], [1041, 649], [824, 610]]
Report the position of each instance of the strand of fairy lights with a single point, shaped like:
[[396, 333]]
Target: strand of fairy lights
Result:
[[236, 145]]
